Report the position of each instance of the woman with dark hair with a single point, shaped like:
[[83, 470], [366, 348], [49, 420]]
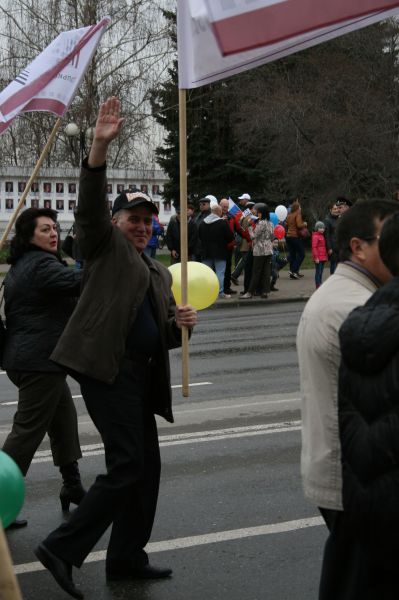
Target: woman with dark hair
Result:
[[295, 224], [39, 293], [262, 248]]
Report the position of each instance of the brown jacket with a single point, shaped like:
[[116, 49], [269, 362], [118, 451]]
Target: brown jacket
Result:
[[294, 222], [115, 280]]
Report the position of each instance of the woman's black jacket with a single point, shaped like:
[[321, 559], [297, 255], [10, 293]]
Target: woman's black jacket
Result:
[[40, 294]]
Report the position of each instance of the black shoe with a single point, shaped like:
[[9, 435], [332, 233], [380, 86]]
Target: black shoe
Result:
[[294, 276], [299, 275], [144, 572], [60, 570], [230, 292], [234, 280], [17, 524], [274, 289], [71, 493], [72, 489]]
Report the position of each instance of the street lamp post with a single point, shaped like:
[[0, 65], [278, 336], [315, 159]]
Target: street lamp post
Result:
[[85, 137]]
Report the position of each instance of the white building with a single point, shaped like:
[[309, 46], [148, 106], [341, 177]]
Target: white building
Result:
[[57, 188]]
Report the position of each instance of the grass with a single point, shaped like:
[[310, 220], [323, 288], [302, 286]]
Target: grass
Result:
[[3, 256], [165, 258]]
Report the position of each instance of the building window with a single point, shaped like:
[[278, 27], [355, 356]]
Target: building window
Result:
[[47, 187], [9, 204], [71, 188], [155, 190], [34, 187], [47, 204], [109, 188], [59, 188], [71, 205], [9, 186], [59, 204]]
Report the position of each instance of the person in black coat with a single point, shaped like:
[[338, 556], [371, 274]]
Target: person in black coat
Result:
[[215, 236], [331, 222], [172, 237], [369, 433], [39, 293]]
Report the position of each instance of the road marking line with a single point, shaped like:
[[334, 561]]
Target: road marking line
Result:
[[80, 396], [231, 406], [197, 540], [214, 435]]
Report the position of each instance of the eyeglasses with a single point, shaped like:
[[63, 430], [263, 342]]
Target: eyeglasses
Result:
[[370, 238]]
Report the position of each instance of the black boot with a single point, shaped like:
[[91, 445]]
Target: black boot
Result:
[[72, 490]]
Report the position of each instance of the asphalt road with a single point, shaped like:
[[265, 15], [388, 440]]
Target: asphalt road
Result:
[[232, 521]]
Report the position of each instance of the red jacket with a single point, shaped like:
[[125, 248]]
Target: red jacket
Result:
[[242, 232], [319, 249]]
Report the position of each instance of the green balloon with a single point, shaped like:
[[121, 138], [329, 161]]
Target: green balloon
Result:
[[12, 489]]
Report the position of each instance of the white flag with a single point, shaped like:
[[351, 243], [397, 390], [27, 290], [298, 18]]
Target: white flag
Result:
[[49, 83], [202, 32]]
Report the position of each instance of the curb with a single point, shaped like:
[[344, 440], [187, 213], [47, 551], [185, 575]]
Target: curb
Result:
[[257, 302]]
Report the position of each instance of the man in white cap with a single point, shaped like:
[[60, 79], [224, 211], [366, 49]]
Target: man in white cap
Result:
[[242, 200]]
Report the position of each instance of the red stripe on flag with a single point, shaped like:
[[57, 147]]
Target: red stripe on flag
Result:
[[43, 104], [47, 104], [288, 19]]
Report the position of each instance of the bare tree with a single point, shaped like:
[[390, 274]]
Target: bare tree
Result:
[[131, 58]]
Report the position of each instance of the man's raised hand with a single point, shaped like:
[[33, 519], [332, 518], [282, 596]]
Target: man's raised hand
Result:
[[109, 121]]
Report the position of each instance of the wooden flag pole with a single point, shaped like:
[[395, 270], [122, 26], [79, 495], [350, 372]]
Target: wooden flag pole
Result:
[[9, 588], [31, 180], [183, 232]]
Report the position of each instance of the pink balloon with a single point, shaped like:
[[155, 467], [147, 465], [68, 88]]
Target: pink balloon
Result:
[[279, 232]]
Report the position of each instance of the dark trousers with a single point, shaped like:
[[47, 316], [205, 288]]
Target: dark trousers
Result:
[[249, 261], [45, 405], [333, 264], [227, 273], [318, 276], [352, 570], [261, 271], [239, 264], [296, 253], [126, 496]]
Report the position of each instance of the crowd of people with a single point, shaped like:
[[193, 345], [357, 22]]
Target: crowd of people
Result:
[[225, 234], [222, 234]]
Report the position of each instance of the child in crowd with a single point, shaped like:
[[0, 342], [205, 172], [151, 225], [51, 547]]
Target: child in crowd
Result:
[[278, 262], [319, 251]]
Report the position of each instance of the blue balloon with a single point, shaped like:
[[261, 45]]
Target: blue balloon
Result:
[[274, 218]]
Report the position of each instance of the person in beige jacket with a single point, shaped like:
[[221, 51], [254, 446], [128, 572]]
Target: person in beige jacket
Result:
[[360, 272]]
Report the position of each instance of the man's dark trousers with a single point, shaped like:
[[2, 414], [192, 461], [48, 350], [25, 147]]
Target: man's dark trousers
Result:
[[127, 495], [227, 273]]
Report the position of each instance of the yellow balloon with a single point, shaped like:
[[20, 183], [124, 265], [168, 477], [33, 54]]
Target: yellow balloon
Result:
[[202, 284]]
